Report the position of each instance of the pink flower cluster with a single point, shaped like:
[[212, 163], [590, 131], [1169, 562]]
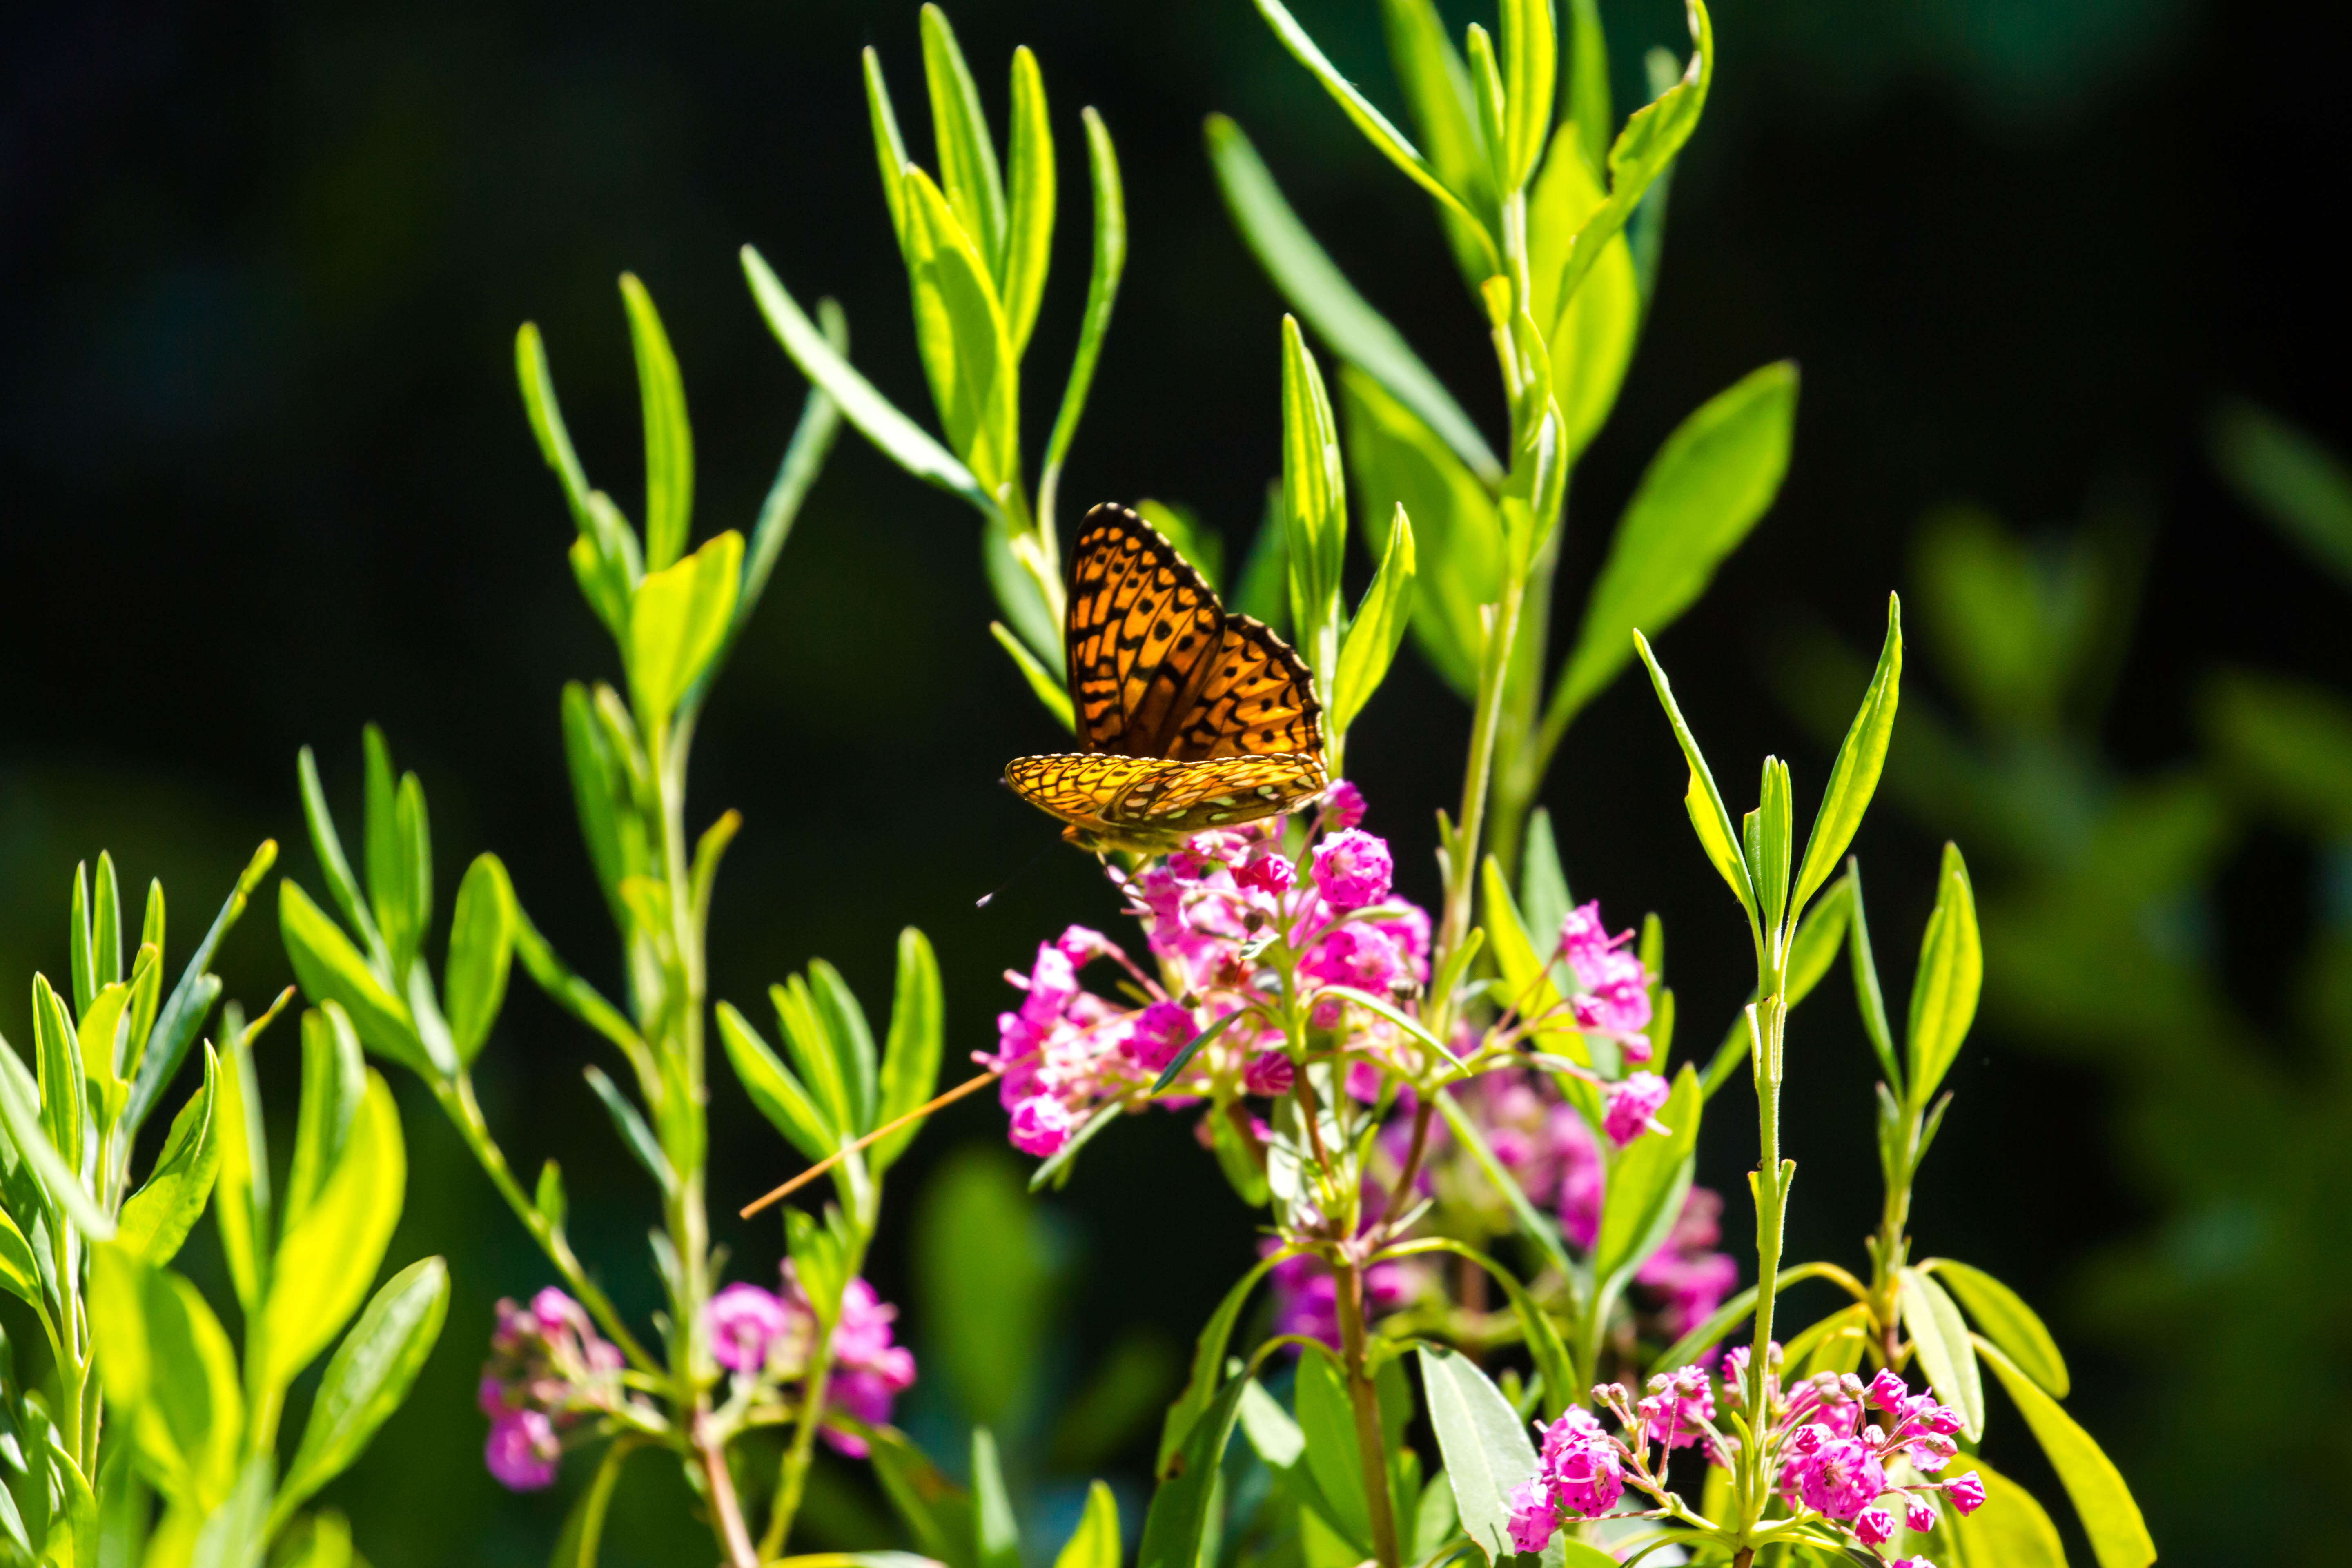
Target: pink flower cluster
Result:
[[1832, 1463], [1612, 995], [1579, 1470], [758, 1334], [1219, 915], [548, 1370]]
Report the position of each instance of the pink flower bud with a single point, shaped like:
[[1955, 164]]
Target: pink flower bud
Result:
[[1967, 1493], [1343, 805], [1631, 1104], [522, 1452], [1041, 1125], [1352, 869], [1919, 1514], [1268, 1073], [1267, 871], [1874, 1527], [744, 1321], [1942, 1419]]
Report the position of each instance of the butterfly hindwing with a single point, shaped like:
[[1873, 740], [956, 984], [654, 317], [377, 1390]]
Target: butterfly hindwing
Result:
[[1155, 803], [1258, 700], [1141, 629]]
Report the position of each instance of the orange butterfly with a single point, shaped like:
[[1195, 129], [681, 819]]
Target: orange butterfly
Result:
[[1190, 719]]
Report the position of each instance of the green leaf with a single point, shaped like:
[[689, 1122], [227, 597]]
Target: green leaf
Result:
[[183, 1011], [1045, 684], [852, 1039], [1940, 1335], [1531, 72], [2008, 1529], [334, 1079], [1590, 335], [1950, 974], [911, 1052], [1385, 137], [20, 1113], [167, 1364], [157, 1219], [1645, 149], [20, 1272], [1200, 1391], [367, 1378], [1545, 1347], [1854, 777], [889, 146], [241, 1199], [985, 1282], [678, 620], [1327, 1419], [960, 326], [1264, 589], [1869, 1000], [1314, 287], [329, 1254], [1095, 1543], [936, 1511], [387, 866], [1102, 292], [1771, 840], [583, 1527], [816, 1056], [1437, 91], [779, 1094], [331, 970], [968, 169], [481, 948], [1396, 461], [2005, 1319], [1315, 505], [1710, 482], [636, 1136], [1180, 1504], [1701, 800], [106, 1024], [323, 1540], [2110, 1518], [1588, 82], [2298, 485], [1485, 1443], [894, 434], [56, 1059], [996, 1537], [1543, 880], [547, 1198], [2287, 743], [1029, 232], [1646, 1184], [1375, 629], [669, 439]]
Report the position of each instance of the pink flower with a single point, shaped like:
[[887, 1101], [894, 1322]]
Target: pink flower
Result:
[[1840, 1478], [1679, 1402], [1911, 1562], [1967, 1493], [1352, 869], [522, 1451], [1587, 1480], [744, 1321], [1631, 1104], [1890, 1393], [1343, 805], [1362, 1082], [1158, 1032], [1268, 1073], [1919, 1513], [1041, 1125], [1357, 955], [1081, 943], [1582, 938], [1268, 871], [1874, 1527], [1534, 1519], [869, 1371], [1053, 983]]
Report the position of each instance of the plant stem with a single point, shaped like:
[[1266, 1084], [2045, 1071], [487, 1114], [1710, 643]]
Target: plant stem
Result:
[[792, 1479], [1768, 1018], [1366, 1398], [726, 1509], [1461, 864]]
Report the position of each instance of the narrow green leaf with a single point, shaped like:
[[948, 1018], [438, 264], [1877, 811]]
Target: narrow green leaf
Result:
[[996, 1537], [1589, 335], [1486, 92], [1531, 72], [1044, 685], [157, 1219], [481, 949], [1485, 1443], [1314, 504], [2299, 486], [366, 1379], [331, 970], [241, 1198], [1701, 799], [1102, 292], [936, 1511], [105, 924], [1710, 482], [329, 1253], [57, 1062], [1172, 1526], [1201, 1390], [960, 326], [1950, 975], [2008, 1529], [636, 1136], [1386, 138], [1543, 879], [2119, 1539], [1869, 1000], [546, 416], [1095, 1543], [677, 618], [1437, 91], [1645, 148], [183, 1011], [387, 866], [20, 1113], [889, 147], [20, 1272], [897, 436], [334, 1078], [1029, 232], [852, 1038], [968, 168], [911, 1053], [2005, 1319], [168, 1365], [1854, 777], [814, 1057], [669, 439], [1588, 82], [772, 1087], [1314, 287], [1646, 1185], [804, 455], [1375, 629], [1940, 1336], [582, 1536], [1768, 865]]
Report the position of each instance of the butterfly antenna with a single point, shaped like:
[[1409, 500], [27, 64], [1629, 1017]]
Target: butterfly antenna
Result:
[[1026, 867]]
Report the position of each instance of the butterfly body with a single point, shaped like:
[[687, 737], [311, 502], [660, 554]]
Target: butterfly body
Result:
[[1190, 718]]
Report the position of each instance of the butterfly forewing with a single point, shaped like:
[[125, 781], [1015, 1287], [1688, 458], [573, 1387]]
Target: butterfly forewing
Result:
[[1257, 701], [1142, 626]]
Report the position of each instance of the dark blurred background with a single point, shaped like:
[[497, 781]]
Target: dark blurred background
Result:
[[267, 477]]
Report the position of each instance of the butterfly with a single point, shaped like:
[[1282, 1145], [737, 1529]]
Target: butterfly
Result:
[[1190, 718]]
